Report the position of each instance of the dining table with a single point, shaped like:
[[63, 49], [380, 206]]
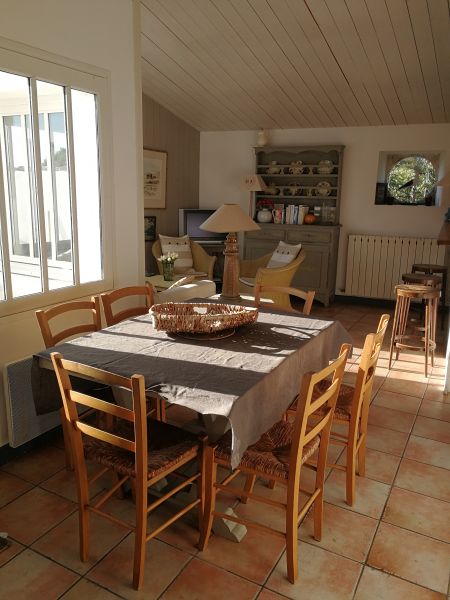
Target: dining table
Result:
[[248, 379]]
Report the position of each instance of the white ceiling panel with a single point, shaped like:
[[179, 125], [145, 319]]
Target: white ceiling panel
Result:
[[250, 64]]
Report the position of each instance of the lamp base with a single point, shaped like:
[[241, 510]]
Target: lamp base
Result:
[[230, 299]]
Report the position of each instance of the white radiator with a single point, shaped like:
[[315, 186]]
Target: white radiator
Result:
[[375, 263]]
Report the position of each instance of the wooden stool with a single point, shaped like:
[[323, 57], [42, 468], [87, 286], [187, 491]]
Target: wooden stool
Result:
[[435, 270], [429, 279], [425, 343]]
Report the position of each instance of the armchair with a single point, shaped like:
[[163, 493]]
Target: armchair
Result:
[[254, 272], [203, 262]]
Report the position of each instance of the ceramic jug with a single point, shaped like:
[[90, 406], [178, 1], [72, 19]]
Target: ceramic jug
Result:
[[277, 215]]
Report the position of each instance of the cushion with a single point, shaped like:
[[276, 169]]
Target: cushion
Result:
[[283, 255], [182, 281], [182, 247]]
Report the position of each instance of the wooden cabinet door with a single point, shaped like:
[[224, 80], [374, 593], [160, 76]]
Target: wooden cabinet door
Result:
[[313, 272]]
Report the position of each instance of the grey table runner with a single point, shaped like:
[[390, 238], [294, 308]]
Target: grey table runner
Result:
[[250, 378]]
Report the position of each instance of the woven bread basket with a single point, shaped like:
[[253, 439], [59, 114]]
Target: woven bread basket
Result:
[[177, 317]]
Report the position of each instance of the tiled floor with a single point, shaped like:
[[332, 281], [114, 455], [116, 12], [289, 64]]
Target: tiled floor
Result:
[[393, 544]]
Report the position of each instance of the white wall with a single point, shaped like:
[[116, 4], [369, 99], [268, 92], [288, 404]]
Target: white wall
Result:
[[99, 33], [226, 156]]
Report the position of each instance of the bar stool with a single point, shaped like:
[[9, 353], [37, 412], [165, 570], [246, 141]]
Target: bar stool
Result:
[[428, 279], [400, 340], [440, 270]]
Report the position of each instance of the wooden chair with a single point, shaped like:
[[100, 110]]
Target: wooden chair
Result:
[[89, 312], [112, 318], [261, 289], [110, 298], [279, 456], [143, 451], [352, 409], [254, 272]]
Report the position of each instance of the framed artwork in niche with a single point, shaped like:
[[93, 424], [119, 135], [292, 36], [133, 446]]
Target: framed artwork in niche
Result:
[[150, 229], [155, 177]]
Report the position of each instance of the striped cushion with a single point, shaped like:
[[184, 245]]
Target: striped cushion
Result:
[[182, 247], [284, 254]]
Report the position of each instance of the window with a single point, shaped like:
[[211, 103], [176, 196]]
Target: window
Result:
[[408, 179], [51, 196]]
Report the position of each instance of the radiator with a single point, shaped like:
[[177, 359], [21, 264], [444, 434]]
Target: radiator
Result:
[[375, 263], [23, 422]]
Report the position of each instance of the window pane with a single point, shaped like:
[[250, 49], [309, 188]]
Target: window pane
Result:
[[87, 185], [18, 174], [55, 181]]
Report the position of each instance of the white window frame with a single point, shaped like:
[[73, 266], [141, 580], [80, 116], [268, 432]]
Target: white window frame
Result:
[[38, 64]]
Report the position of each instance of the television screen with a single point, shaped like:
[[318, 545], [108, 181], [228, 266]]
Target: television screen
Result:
[[190, 221]]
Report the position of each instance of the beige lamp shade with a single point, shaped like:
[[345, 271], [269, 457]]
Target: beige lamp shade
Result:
[[444, 181], [229, 217], [254, 183]]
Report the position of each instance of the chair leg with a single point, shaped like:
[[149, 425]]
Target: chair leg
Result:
[[248, 487], [362, 455], [140, 534], [350, 474], [83, 512], [291, 533], [66, 439], [201, 488], [210, 497]]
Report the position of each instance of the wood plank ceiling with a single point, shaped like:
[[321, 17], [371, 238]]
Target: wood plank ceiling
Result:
[[250, 64]]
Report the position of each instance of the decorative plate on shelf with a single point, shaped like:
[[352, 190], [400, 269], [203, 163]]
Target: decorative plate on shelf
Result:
[[325, 167], [323, 188], [274, 169], [296, 167]]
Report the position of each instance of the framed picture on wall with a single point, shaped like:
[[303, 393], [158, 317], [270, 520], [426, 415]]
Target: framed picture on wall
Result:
[[150, 228], [155, 176]]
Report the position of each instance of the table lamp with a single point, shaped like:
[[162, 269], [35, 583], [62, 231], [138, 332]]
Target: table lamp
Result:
[[253, 183], [230, 218]]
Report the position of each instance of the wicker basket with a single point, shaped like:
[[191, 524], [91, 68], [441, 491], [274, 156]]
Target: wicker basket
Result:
[[177, 317]]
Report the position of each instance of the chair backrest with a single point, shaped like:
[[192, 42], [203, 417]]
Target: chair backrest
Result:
[[280, 277], [366, 370], [310, 407], [137, 416], [109, 298], [88, 309], [261, 289]]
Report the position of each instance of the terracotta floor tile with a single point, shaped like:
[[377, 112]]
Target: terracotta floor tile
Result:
[[370, 495], [11, 487], [435, 410], [411, 556], [404, 386], [183, 534], [418, 513], [379, 465], [253, 558], [62, 542], [37, 465], [33, 514], [386, 440], [391, 419], [86, 590], [202, 580], [432, 429], [30, 575], [162, 565], [63, 483], [376, 585], [424, 479], [435, 394], [344, 532], [428, 451], [13, 549], [322, 576], [402, 402], [268, 595]]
